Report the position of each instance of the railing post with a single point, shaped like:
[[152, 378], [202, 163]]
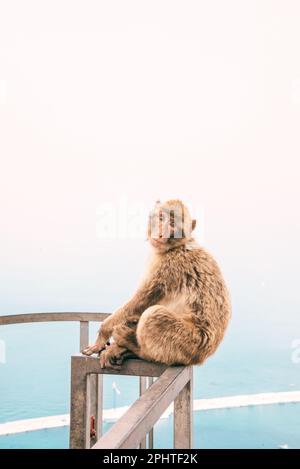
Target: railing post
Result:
[[94, 394], [92, 388], [99, 412], [150, 434], [79, 413], [143, 387], [96, 407], [183, 416], [84, 334], [145, 382]]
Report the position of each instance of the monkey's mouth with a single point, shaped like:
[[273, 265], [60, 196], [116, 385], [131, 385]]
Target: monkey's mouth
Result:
[[159, 242]]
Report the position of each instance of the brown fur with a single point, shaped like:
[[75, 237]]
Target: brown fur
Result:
[[181, 310]]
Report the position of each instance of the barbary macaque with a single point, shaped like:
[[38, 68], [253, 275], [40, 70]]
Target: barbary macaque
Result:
[[179, 314]]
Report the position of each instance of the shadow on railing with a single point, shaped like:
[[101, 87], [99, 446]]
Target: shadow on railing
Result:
[[135, 427]]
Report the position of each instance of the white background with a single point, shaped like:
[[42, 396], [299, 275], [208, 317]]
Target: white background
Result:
[[135, 100]]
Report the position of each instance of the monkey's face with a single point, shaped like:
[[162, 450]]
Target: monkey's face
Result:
[[170, 225]]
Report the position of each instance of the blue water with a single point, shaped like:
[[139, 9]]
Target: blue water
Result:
[[248, 427], [35, 382]]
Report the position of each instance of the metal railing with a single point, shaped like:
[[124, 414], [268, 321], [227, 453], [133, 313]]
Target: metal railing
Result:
[[135, 427], [173, 384], [82, 318]]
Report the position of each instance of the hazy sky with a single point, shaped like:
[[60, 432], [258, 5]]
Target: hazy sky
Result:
[[102, 102]]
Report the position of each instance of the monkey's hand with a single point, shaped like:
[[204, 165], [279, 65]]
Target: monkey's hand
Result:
[[112, 356], [96, 348]]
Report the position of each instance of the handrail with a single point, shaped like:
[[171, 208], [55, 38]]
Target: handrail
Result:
[[84, 319], [173, 384], [140, 418], [49, 317]]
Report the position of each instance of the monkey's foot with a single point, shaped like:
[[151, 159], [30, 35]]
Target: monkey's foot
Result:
[[125, 337], [96, 348], [112, 357]]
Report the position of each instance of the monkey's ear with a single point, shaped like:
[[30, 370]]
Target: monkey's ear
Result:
[[194, 223]]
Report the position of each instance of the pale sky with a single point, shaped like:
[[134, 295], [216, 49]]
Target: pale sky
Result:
[[108, 101]]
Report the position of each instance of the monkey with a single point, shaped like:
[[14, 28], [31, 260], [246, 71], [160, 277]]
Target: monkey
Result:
[[180, 311]]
